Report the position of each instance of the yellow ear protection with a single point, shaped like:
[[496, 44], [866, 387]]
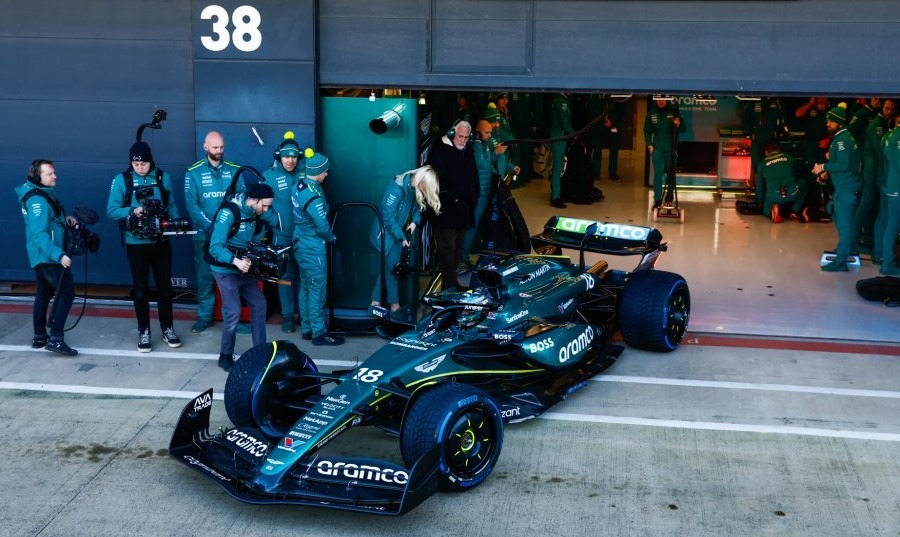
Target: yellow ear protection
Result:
[[288, 140]]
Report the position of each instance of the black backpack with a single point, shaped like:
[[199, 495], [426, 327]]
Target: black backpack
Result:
[[57, 206], [884, 289], [235, 226]]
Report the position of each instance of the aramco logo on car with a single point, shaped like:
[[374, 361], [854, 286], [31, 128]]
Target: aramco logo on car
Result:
[[604, 229]]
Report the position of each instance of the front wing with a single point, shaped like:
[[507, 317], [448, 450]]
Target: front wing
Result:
[[352, 484]]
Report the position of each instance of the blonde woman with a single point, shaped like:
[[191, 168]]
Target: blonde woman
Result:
[[407, 196]]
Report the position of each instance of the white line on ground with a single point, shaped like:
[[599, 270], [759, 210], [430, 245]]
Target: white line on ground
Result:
[[713, 426], [749, 386], [560, 416]]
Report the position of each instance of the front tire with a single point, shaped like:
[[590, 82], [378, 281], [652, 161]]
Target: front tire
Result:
[[654, 309], [266, 385], [467, 425]]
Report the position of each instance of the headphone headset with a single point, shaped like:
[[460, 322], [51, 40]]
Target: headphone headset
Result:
[[451, 133], [277, 154], [34, 170]]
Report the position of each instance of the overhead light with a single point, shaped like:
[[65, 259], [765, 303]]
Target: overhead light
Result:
[[372, 96], [660, 97], [422, 98], [621, 96], [747, 98]]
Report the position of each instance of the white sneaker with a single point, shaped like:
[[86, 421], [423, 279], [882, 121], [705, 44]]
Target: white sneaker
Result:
[[144, 344], [171, 338]]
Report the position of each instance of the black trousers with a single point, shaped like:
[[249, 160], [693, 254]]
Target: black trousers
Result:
[[56, 283], [144, 259], [449, 249]]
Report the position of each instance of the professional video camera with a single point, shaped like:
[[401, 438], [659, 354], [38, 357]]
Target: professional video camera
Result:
[[267, 263], [153, 223], [403, 269], [79, 240]]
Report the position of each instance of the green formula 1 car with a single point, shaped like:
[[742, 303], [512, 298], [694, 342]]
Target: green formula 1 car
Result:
[[531, 330]]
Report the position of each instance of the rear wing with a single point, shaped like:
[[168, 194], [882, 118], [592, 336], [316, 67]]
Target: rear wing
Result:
[[598, 237]]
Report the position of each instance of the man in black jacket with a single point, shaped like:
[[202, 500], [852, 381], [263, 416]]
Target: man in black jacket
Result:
[[454, 161]]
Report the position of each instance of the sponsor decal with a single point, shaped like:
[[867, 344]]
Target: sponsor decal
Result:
[[410, 343], [204, 401], [524, 295], [517, 316], [565, 305], [273, 462], [342, 400], [247, 443], [194, 462], [542, 345], [304, 436], [430, 365], [510, 413], [317, 421], [468, 400], [504, 336], [213, 195], [539, 272], [577, 345], [288, 441], [509, 271], [604, 229], [308, 427], [364, 472]]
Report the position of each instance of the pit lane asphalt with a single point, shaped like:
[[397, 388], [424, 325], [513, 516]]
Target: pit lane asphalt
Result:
[[775, 439]]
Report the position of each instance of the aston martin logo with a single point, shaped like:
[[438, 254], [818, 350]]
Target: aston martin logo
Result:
[[430, 365]]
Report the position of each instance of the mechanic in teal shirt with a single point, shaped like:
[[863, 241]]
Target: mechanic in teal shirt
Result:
[[891, 194], [777, 189], [560, 128], [283, 176], [761, 121], [843, 171], [872, 154], [231, 234], [205, 183], [659, 134], [311, 232], [144, 180]]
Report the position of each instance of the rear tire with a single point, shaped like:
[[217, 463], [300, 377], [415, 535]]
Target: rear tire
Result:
[[654, 310], [468, 426], [264, 387]]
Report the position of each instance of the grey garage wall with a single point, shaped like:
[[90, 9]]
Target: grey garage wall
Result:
[[77, 78], [730, 47]]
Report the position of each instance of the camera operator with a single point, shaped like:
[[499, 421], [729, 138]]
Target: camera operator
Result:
[[45, 224], [229, 237], [146, 254]]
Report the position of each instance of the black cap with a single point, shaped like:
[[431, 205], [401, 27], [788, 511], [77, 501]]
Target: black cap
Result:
[[260, 191], [140, 152]]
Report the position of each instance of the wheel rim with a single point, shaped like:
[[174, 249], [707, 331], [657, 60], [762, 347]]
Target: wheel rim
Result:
[[677, 317], [470, 443]]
